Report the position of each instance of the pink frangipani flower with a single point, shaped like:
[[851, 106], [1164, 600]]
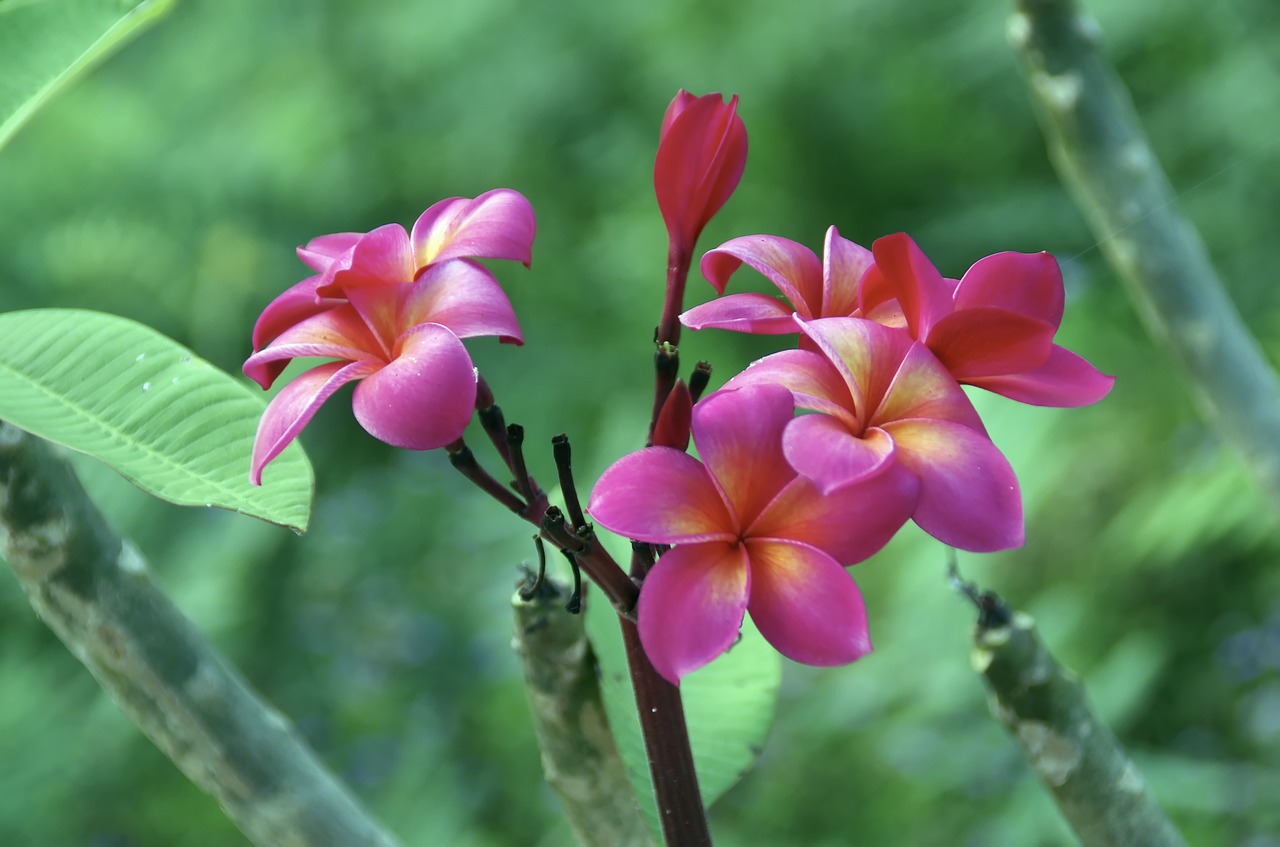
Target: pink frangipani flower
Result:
[[889, 408], [812, 289], [392, 309], [993, 329], [750, 535]]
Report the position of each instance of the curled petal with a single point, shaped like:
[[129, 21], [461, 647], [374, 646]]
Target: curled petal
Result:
[[813, 381], [424, 398], [790, 266], [291, 409], [323, 251], [1064, 380], [464, 296], [380, 257], [987, 341], [824, 450], [916, 284], [844, 264], [338, 333], [758, 314], [661, 495], [297, 303], [850, 523], [498, 224], [969, 495], [691, 606], [1027, 283], [805, 604], [739, 436]]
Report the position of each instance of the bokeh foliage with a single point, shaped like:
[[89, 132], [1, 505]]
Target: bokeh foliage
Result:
[[171, 185]]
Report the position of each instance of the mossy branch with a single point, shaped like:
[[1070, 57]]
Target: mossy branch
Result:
[[93, 590]]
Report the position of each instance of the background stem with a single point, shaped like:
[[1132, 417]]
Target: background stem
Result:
[[93, 590]]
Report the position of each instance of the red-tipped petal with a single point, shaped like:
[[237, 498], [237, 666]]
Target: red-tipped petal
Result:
[[1027, 283], [691, 606], [739, 437], [844, 264], [498, 224], [986, 341], [291, 409], [424, 398], [758, 314], [464, 296], [916, 284], [661, 495], [1065, 380], [701, 156], [824, 450], [969, 496], [805, 604], [790, 266]]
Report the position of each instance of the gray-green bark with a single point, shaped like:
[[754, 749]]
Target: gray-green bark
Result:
[[93, 590]]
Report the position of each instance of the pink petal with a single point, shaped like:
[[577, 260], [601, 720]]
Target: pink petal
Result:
[[824, 450], [701, 156], [915, 282], [295, 404], [969, 495], [923, 388], [425, 397], [866, 354], [850, 523], [661, 495], [677, 105], [790, 266], [338, 333], [498, 224], [986, 341], [739, 437], [464, 296], [805, 604], [323, 251], [298, 302], [691, 606], [844, 265], [1027, 283], [754, 313], [1064, 380], [381, 257], [813, 381]]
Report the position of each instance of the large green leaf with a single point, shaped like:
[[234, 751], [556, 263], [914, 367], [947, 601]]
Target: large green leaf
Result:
[[46, 43], [729, 707], [169, 422]]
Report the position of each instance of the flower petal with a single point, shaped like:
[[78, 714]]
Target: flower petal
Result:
[[850, 523], [866, 354], [805, 604], [1027, 283], [824, 450], [380, 257], [750, 312], [498, 224], [291, 409], [969, 495], [323, 251], [844, 264], [425, 397], [813, 381], [464, 296], [923, 388], [987, 341], [916, 284], [701, 155], [338, 333], [739, 437], [297, 303], [1064, 380], [792, 267], [691, 606], [660, 495]]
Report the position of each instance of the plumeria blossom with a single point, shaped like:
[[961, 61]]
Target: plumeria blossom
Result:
[[993, 328], [702, 151], [889, 408], [391, 307], [812, 288], [750, 536]]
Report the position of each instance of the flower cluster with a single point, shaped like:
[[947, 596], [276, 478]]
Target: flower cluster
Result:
[[392, 307]]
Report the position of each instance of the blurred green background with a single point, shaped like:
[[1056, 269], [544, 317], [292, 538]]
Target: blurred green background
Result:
[[172, 184]]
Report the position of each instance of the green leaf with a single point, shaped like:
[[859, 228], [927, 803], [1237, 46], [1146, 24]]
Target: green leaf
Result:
[[729, 707], [169, 422], [46, 43]]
